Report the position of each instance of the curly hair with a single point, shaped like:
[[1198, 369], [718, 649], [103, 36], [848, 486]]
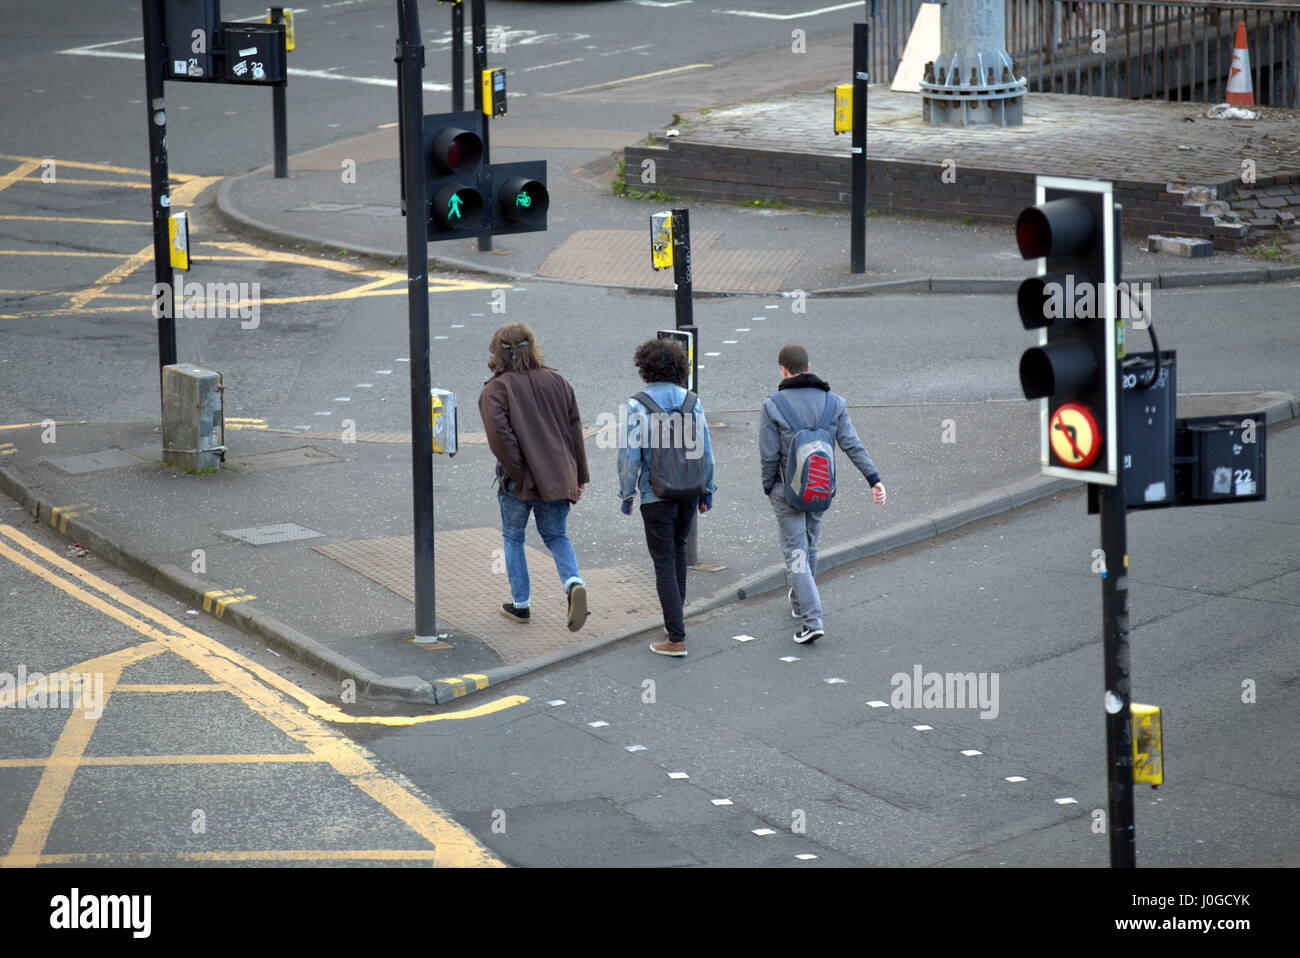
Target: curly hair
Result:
[[662, 361], [514, 349]]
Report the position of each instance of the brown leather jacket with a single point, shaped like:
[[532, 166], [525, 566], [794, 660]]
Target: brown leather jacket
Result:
[[534, 430]]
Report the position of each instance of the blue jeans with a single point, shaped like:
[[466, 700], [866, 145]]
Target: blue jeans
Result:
[[550, 518]]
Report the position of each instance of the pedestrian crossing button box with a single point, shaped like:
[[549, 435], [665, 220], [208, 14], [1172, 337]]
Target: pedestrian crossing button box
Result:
[[191, 29], [254, 52], [442, 418]]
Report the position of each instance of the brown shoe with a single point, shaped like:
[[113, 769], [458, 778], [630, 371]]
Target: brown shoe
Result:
[[669, 648]]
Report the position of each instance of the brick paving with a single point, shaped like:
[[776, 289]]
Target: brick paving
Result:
[[785, 149]]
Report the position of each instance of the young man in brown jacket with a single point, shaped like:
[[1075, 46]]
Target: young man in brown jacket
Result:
[[533, 427]]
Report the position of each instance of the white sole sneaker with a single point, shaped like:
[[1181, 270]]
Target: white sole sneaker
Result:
[[804, 636]]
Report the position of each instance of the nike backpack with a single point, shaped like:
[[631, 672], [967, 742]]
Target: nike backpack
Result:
[[810, 463]]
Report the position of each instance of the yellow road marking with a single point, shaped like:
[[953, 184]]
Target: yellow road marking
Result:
[[116, 760], [643, 76], [44, 806], [64, 181], [454, 846], [75, 219], [100, 167], [115, 275], [282, 855], [59, 515], [20, 171]]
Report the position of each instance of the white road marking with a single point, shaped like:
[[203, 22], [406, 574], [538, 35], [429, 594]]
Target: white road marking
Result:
[[547, 66], [789, 16]]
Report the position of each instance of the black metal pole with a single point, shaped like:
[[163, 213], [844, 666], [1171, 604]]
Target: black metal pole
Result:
[[858, 159], [1113, 506], [457, 56], [479, 28], [277, 113], [410, 60], [159, 191], [686, 321]]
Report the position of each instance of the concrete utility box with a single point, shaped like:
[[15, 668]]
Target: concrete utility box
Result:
[[194, 424]]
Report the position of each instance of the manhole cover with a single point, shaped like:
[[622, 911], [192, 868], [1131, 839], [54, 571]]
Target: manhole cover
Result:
[[269, 535]]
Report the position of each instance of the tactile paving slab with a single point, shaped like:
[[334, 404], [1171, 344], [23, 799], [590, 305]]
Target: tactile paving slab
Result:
[[470, 579]]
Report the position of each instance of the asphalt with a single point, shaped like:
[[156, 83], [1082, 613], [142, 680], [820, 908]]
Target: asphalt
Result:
[[351, 620]]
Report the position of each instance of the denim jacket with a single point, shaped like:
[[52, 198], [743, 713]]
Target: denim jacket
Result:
[[634, 455]]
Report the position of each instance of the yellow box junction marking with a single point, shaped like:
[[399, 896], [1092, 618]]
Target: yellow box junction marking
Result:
[[7, 449], [452, 845]]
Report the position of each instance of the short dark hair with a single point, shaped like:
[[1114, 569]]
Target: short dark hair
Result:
[[794, 358], [662, 361]]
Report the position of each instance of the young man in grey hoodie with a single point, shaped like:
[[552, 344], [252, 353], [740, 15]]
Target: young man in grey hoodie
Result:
[[807, 396]]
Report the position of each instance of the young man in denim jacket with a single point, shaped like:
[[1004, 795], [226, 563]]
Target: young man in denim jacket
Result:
[[664, 368]]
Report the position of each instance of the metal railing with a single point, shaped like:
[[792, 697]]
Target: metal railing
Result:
[[1134, 49]]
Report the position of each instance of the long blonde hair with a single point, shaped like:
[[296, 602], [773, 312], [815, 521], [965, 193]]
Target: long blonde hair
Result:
[[514, 349]]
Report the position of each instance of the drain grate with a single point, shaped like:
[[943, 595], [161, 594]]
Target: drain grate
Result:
[[270, 535]]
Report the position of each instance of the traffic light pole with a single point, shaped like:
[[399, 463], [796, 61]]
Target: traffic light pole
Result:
[[858, 234], [159, 191], [279, 133], [457, 56], [686, 321], [1114, 611], [410, 63], [479, 27]]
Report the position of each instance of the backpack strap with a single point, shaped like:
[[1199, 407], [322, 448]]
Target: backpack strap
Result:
[[688, 404], [646, 401], [828, 414], [787, 411]]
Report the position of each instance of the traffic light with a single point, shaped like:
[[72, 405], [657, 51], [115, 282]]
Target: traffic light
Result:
[[519, 197], [1074, 232], [456, 175]]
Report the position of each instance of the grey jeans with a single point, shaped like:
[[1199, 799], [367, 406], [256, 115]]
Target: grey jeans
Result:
[[799, 531]]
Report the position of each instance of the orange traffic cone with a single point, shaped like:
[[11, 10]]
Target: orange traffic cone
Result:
[[1240, 92]]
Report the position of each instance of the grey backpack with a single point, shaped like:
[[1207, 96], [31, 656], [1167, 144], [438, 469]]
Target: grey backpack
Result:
[[673, 473]]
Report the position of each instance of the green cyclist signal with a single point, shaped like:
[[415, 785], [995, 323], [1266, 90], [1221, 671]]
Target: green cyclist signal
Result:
[[523, 199]]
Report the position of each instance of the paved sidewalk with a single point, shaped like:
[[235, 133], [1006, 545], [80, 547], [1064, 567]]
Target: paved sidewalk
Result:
[[305, 541]]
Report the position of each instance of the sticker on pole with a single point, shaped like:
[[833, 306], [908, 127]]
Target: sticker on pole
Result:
[[1075, 437]]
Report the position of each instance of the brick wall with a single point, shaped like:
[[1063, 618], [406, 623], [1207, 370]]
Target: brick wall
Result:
[[728, 174]]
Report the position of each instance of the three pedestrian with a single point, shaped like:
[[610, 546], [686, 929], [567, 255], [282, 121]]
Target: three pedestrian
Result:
[[666, 458], [533, 427], [800, 425]]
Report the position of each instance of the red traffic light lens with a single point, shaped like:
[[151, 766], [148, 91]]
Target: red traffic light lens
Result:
[[1056, 228], [455, 150]]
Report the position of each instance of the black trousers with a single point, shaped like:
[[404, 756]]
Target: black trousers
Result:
[[667, 527]]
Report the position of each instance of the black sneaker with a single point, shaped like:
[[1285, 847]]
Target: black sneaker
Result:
[[806, 635], [577, 606], [512, 611]]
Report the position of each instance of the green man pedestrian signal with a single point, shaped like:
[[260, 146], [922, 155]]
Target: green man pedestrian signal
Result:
[[519, 197], [456, 174], [1074, 232]]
